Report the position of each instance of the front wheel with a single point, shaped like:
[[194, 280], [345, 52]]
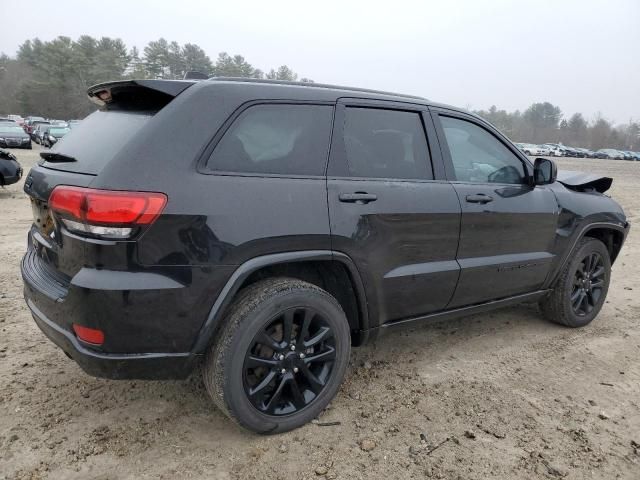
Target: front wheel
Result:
[[582, 286], [281, 356]]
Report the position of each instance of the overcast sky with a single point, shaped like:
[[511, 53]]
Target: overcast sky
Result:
[[583, 55]]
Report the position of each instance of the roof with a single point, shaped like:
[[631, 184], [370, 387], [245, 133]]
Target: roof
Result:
[[270, 88], [315, 86]]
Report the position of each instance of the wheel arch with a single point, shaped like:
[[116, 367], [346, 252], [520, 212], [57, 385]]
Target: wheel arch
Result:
[[611, 234], [332, 271], [611, 237]]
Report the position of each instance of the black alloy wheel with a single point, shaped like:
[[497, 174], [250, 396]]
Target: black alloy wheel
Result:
[[280, 357], [588, 284], [289, 362], [580, 290]]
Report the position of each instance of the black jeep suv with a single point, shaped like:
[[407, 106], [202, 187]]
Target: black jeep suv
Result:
[[263, 228]]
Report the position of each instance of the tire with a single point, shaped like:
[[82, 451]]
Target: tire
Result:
[[229, 377], [558, 305]]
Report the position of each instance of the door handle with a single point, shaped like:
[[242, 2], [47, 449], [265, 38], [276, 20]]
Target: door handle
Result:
[[358, 197], [479, 198]]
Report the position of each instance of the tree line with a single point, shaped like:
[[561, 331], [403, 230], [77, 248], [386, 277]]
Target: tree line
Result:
[[50, 78], [544, 123]]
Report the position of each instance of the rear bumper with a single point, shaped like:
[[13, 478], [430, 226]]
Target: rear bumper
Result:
[[14, 179], [150, 321], [116, 366]]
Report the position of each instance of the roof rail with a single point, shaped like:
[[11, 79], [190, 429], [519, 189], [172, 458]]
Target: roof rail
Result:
[[313, 85]]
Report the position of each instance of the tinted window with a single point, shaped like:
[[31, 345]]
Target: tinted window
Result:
[[98, 139], [279, 139], [386, 144], [478, 156]]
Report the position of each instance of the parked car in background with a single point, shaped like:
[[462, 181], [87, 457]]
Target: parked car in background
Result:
[[73, 123], [577, 151], [16, 118], [13, 136], [582, 152], [29, 121], [572, 152], [626, 155], [7, 120], [35, 130], [544, 150], [297, 221], [612, 153], [10, 169], [531, 149], [53, 133], [601, 155], [554, 150], [40, 132]]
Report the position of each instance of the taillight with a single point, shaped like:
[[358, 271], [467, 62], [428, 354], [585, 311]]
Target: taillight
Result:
[[105, 213]]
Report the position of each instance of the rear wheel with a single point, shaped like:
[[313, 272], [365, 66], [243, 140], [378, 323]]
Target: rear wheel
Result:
[[582, 286], [281, 356]]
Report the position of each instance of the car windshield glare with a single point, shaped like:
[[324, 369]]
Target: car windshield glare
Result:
[[5, 130], [58, 131]]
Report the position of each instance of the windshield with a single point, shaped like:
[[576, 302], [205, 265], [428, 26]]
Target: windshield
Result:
[[6, 130], [58, 132]]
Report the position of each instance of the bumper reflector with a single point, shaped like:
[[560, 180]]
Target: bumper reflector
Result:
[[89, 335]]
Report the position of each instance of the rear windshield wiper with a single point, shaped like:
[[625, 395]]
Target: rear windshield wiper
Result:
[[57, 157]]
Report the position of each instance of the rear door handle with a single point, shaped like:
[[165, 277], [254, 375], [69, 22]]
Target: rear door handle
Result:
[[358, 197], [479, 198]]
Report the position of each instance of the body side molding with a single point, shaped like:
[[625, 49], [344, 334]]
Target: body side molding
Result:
[[461, 312]]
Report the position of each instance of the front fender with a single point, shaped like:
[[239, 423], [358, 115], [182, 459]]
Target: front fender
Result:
[[581, 212]]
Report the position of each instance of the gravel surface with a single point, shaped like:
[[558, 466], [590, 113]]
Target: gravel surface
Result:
[[500, 395]]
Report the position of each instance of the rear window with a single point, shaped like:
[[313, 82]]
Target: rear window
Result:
[[97, 139], [276, 139]]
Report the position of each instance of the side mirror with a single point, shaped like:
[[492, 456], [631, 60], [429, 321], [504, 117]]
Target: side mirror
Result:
[[545, 171]]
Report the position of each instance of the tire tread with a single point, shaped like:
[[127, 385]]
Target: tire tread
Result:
[[247, 301], [553, 306]]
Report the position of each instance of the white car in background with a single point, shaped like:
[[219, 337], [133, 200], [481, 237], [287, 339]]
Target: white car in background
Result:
[[544, 150], [531, 149], [554, 150]]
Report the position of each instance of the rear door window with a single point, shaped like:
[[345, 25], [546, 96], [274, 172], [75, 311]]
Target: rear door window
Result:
[[276, 139], [381, 143]]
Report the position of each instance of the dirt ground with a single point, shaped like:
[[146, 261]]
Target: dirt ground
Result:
[[500, 395]]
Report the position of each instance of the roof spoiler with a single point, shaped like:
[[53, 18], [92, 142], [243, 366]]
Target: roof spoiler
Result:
[[136, 94]]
